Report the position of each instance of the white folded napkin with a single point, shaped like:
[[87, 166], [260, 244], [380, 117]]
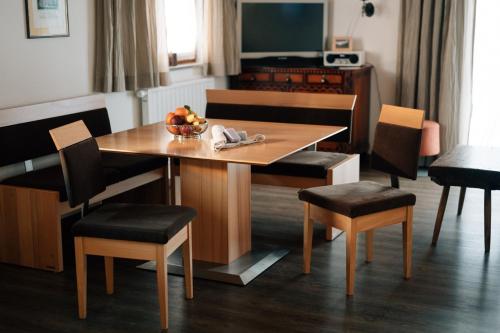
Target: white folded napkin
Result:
[[219, 140]]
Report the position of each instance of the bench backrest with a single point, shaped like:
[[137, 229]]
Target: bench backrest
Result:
[[24, 131], [283, 107]]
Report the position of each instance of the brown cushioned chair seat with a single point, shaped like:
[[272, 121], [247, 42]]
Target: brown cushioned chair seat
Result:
[[140, 223], [312, 164], [116, 167], [357, 199]]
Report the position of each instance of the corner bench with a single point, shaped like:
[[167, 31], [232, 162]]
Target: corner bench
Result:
[[302, 169], [32, 202]]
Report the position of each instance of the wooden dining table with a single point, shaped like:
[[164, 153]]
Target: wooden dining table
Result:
[[218, 185]]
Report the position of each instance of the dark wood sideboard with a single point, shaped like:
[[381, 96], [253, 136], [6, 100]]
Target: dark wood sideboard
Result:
[[324, 80]]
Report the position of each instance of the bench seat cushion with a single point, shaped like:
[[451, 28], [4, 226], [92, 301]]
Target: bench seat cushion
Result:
[[357, 199], [312, 164], [117, 167], [52, 179], [139, 223]]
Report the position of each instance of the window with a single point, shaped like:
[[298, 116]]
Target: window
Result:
[[485, 117], [182, 21]]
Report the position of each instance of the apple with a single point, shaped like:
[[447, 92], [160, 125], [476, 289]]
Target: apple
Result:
[[169, 117], [173, 130], [186, 130], [177, 120]]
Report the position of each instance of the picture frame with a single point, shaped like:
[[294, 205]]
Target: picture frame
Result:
[[47, 18], [342, 43]]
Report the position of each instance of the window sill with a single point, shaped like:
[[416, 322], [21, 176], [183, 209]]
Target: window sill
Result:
[[183, 66]]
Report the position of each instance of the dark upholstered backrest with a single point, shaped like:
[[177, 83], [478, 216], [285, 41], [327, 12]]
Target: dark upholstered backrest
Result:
[[397, 141], [283, 107], [81, 162], [28, 140]]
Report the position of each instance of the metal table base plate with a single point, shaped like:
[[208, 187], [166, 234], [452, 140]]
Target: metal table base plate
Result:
[[240, 272]]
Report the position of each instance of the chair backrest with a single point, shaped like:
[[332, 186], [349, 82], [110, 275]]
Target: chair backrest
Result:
[[283, 107], [397, 141], [81, 162]]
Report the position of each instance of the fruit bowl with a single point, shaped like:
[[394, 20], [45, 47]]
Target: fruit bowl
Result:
[[188, 131], [185, 123]]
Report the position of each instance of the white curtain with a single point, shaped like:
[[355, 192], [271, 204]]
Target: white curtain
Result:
[[455, 101], [220, 48], [162, 49], [435, 63], [128, 55]]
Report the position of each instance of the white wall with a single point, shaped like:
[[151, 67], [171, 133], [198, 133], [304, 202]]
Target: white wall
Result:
[[37, 70], [378, 37], [47, 69]]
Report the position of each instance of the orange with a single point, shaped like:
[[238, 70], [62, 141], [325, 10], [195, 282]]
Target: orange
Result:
[[181, 111]]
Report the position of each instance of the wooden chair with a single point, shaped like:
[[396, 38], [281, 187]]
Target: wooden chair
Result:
[[143, 232], [365, 206]]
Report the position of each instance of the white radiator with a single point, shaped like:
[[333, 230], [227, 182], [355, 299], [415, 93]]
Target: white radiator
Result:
[[157, 102]]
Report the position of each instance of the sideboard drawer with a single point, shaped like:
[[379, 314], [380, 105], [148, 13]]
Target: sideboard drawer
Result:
[[290, 78], [324, 78], [259, 77]]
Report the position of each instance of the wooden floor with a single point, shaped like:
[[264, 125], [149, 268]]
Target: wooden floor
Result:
[[456, 287]]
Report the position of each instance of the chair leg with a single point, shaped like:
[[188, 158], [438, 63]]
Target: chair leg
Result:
[[81, 277], [440, 214], [167, 197], [461, 199], [369, 245], [187, 256], [162, 282], [351, 237], [172, 190], [407, 242], [308, 237], [487, 220], [329, 233], [108, 269]]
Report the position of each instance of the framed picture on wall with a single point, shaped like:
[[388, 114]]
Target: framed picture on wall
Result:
[[47, 18], [342, 43]]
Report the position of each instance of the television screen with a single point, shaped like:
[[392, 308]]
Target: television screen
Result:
[[282, 27]]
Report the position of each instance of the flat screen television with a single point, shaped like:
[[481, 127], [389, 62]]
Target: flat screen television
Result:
[[282, 28]]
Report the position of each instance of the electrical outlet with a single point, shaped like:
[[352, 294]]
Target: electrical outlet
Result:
[[28, 165]]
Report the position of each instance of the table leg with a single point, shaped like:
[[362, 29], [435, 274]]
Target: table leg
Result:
[[461, 200], [487, 220], [221, 232], [440, 214], [221, 193]]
